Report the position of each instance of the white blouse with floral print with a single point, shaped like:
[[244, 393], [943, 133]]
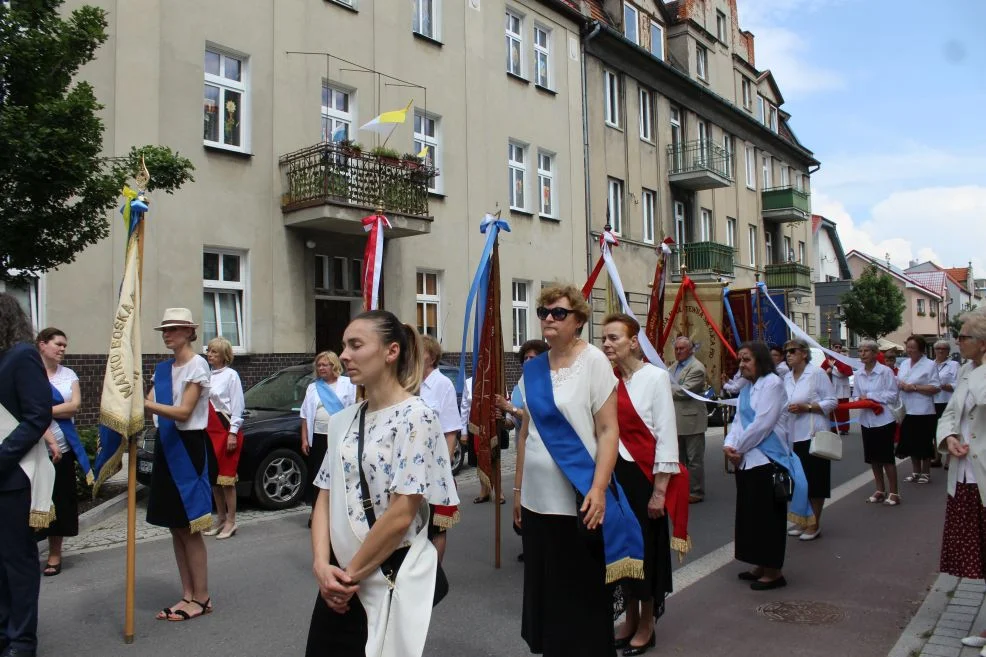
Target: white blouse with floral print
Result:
[[404, 452]]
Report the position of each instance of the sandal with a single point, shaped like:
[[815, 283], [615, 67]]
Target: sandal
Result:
[[52, 569], [923, 479], [183, 615], [482, 499], [892, 500], [912, 478], [167, 611], [877, 497]]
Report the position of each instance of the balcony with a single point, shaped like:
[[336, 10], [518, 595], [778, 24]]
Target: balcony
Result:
[[706, 259], [332, 187], [785, 205], [698, 165], [788, 276]]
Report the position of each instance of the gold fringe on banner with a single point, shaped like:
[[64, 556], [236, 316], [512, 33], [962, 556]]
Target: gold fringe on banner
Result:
[[201, 524], [682, 546], [625, 568], [110, 468], [226, 480]]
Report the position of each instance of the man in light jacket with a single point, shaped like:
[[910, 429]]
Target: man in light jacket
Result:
[[690, 414]]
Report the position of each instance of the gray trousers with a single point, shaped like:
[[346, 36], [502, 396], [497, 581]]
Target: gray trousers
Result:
[[691, 452]]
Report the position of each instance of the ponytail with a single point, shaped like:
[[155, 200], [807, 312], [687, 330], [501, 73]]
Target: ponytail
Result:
[[409, 368]]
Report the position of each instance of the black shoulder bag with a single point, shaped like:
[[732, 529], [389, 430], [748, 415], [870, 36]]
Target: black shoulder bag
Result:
[[391, 564]]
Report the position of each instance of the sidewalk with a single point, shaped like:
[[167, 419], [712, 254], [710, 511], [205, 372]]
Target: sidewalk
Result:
[[953, 609]]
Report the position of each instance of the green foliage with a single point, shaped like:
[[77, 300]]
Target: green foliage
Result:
[[56, 186], [90, 441], [384, 151], [874, 306]]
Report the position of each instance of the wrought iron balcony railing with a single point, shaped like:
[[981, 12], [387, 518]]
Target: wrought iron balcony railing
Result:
[[786, 203], [699, 156], [708, 257], [788, 275]]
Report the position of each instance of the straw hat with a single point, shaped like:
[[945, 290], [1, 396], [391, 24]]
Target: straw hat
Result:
[[176, 318]]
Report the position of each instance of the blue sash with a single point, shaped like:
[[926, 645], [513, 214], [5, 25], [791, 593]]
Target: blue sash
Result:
[[622, 538], [194, 489], [330, 401], [777, 451], [72, 437]]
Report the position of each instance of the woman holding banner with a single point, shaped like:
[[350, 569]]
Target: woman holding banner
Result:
[[648, 458], [329, 393], [180, 497], [768, 474], [579, 533]]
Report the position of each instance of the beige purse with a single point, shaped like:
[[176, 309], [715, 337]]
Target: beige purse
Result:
[[824, 444]]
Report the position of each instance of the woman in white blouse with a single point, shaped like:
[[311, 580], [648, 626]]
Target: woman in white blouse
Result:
[[647, 427], [321, 401], [876, 382], [810, 400], [567, 609], [948, 372], [917, 380], [387, 460], [225, 423]]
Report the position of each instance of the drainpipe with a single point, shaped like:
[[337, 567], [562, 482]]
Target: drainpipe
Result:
[[596, 27]]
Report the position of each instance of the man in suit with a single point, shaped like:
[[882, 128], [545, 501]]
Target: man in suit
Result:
[[690, 414], [26, 394]]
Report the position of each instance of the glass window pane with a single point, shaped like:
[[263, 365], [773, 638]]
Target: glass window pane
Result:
[[338, 273], [211, 62], [232, 117], [210, 129], [356, 276], [209, 326], [234, 69], [231, 268], [432, 319], [342, 101], [421, 318], [421, 283], [210, 266], [326, 96], [228, 315], [432, 284], [319, 271]]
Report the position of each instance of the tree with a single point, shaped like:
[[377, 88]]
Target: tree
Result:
[[874, 306], [55, 186]]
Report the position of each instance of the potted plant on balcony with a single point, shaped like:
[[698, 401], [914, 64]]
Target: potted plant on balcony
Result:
[[386, 155], [350, 147], [412, 161]]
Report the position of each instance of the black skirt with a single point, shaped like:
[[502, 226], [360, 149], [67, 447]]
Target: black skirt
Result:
[[657, 539], [338, 635], [164, 505], [65, 499], [818, 471], [878, 444], [316, 454], [917, 436], [761, 521], [568, 609]]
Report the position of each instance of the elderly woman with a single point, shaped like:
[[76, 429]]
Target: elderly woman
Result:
[[917, 380], [810, 400], [648, 458], [839, 374], [566, 452], [948, 372], [876, 382], [180, 497], [387, 461], [224, 429], [64, 444], [329, 393], [964, 535], [757, 447]]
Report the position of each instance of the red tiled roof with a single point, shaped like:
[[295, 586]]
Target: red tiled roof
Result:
[[959, 274], [597, 13]]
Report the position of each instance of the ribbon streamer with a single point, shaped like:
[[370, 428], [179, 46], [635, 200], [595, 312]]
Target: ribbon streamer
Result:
[[721, 402], [708, 318], [729, 314], [373, 259]]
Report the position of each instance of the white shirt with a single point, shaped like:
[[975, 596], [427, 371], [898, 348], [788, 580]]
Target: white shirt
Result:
[[196, 370], [62, 379], [879, 385], [465, 406], [966, 474], [650, 392], [781, 369], [735, 384], [579, 391], [439, 394], [768, 399], [923, 373], [310, 407], [812, 387], [948, 373], [840, 382], [226, 395]]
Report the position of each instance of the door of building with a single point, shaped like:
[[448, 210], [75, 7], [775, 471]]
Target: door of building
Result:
[[331, 318]]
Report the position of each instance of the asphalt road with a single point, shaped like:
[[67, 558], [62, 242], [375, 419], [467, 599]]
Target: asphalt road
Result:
[[263, 589]]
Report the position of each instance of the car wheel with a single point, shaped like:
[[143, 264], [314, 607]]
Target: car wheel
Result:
[[280, 479], [459, 458]]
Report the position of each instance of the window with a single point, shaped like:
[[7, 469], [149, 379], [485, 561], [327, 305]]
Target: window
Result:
[[766, 171], [705, 229], [804, 182], [515, 44], [676, 138], [631, 23], [521, 296], [542, 56], [517, 173], [615, 205], [747, 94], [785, 176], [722, 28], [921, 308], [798, 182], [337, 112], [730, 232], [224, 287], [428, 301], [788, 255], [648, 201], [768, 243], [704, 142], [338, 275], [751, 167], [761, 110], [753, 246], [773, 118], [802, 253], [727, 147], [225, 109], [28, 297], [702, 61], [546, 183], [612, 85], [426, 136], [657, 40], [646, 115], [427, 18]]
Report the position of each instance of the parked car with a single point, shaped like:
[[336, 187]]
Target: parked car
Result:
[[718, 414], [452, 372]]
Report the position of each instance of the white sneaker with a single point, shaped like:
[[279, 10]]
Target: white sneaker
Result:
[[974, 641], [795, 531], [982, 653], [810, 536]]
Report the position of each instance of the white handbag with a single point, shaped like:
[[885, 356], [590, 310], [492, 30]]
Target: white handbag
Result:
[[824, 444]]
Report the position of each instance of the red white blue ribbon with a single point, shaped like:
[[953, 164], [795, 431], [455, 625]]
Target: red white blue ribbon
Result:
[[373, 259]]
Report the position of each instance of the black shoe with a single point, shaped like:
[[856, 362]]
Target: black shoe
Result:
[[629, 651], [767, 586], [18, 652], [747, 576], [622, 643]]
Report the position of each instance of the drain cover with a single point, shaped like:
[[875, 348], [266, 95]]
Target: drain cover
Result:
[[801, 611]]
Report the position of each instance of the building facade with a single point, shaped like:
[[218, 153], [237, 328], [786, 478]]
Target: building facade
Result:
[[831, 280]]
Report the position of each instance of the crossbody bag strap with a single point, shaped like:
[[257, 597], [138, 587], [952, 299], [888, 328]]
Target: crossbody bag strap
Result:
[[364, 488]]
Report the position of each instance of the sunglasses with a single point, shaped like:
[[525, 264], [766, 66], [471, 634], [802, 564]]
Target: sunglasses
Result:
[[792, 351], [557, 313]]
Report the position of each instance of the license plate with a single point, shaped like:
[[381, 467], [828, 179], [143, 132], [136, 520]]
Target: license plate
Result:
[[145, 467]]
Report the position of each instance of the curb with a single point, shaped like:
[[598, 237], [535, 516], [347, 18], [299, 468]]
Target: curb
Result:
[[916, 634], [98, 513]]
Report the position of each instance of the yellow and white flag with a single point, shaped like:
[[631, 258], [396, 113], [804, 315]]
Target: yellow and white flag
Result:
[[385, 122]]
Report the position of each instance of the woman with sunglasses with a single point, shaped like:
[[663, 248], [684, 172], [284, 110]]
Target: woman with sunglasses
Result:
[[810, 400], [563, 489]]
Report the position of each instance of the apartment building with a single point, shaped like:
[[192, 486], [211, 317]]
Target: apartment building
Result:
[[267, 99], [831, 279], [687, 138]]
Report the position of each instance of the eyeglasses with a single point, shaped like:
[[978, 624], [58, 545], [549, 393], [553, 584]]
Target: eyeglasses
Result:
[[792, 351], [557, 313]]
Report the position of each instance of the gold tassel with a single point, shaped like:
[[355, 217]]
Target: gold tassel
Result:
[[447, 521], [201, 524], [110, 468], [484, 479], [625, 568], [682, 546], [801, 521], [41, 519], [225, 480], [90, 478]]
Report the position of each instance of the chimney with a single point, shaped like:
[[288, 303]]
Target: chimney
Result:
[[912, 263]]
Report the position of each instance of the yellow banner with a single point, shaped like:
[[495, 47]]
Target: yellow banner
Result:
[[690, 321]]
